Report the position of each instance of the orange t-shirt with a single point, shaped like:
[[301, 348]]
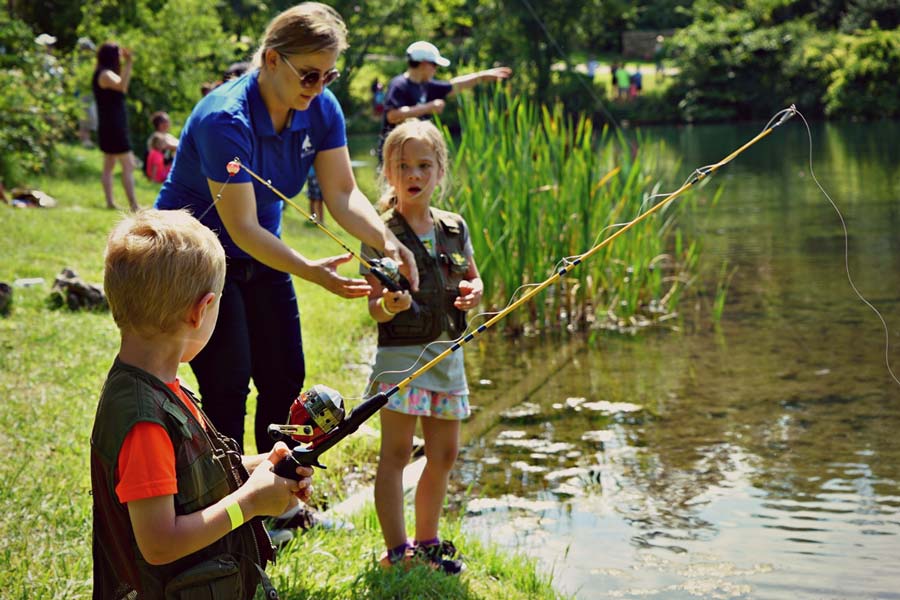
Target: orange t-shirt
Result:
[[146, 466]]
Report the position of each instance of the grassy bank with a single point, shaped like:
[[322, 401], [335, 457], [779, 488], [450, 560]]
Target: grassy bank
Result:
[[52, 364]]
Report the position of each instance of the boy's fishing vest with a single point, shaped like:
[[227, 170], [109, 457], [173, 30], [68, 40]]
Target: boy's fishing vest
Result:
[[208, 467], [439, 279]]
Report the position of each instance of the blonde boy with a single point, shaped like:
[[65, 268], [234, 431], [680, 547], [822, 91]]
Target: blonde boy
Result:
[[174, 506]]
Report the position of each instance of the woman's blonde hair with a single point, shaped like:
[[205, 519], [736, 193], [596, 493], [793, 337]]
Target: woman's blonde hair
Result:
[[411, 129], [306, 28], [158, 264]]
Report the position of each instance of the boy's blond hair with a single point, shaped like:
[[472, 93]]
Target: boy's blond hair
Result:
[[411, 129], [158, 264]]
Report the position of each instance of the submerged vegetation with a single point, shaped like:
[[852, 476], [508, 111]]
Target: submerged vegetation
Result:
[[538, 188]]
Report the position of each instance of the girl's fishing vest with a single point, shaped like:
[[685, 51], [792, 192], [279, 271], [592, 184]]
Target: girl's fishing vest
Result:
[[207, 466], [439, 279]]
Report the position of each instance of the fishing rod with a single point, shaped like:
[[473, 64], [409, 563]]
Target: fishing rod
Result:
[[385, 270], [317, 417]]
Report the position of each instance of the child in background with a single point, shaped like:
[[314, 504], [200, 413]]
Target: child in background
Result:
[[174, 505], [156, 167], [314, 193], [162, 124], [415, 163]]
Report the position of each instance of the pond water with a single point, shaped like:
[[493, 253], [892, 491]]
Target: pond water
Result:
[[759, 458]]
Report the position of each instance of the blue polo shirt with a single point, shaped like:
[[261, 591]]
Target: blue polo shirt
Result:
[[232, 121]]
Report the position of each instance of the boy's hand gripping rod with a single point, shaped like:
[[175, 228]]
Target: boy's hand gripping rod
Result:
[[335, 427], [384, 269]]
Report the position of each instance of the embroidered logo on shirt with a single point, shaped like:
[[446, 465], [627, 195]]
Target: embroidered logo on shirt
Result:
[[306, 148]]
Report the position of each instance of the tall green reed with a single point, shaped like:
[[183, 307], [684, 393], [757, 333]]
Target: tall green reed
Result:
[[529, 180]]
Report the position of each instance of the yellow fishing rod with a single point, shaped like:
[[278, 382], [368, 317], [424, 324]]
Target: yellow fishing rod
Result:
[[384, 269], [317, 416]]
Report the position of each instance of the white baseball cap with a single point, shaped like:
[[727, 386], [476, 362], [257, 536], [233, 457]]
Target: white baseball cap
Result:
[[423, 51], [45, 39]]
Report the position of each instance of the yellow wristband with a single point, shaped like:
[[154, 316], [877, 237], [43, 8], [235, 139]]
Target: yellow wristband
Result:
[[384, 307], [235, 514]]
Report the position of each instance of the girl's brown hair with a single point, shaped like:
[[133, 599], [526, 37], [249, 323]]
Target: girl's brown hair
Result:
[[303, 29], [411, 129]]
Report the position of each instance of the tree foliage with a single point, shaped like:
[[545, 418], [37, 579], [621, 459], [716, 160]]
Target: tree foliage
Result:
[[751, 59], [865, 81], [177, 46], [35, 112]]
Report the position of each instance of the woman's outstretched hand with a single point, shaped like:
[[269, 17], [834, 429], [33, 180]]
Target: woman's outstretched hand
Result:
[[325, 274]]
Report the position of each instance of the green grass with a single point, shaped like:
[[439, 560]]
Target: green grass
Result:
[[53, 363]]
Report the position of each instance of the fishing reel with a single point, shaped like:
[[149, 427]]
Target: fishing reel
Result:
[[313, 415], [317, 422], [387, 271]]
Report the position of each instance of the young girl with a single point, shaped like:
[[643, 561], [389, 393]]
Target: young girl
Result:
[[415, 163], [157, 169]]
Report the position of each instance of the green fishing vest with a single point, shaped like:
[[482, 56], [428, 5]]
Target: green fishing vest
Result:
[[207, 466], [439, 279]]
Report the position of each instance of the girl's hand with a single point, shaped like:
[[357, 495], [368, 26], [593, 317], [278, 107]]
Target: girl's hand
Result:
[[396, 301], [127, 56], [470, 293], [270, 495], [325, 274]]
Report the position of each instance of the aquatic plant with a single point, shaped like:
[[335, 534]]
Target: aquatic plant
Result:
[[537, 186]]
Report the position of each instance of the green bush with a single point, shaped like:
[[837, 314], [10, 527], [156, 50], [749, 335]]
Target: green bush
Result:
[[736, 64], [865, 82], [35, 111], [750, 63]]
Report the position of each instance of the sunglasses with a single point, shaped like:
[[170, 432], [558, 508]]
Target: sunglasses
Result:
[[310, 79]]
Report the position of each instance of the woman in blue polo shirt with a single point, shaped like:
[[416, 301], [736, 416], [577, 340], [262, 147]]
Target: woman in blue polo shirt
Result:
[[279, 120]]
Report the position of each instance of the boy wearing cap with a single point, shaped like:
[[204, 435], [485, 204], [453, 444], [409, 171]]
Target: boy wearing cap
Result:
[[416, 94]]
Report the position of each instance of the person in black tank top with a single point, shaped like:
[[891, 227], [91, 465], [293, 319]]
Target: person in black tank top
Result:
[[110, 84]]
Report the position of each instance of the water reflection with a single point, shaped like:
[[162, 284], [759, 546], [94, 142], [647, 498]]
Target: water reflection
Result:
[[763, 460]]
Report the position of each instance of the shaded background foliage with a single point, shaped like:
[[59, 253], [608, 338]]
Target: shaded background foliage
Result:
[[737, 59], [748, 59]]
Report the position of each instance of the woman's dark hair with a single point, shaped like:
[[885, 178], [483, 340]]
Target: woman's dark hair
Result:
[[108, 57]]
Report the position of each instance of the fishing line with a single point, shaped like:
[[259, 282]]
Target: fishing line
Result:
[[385, 270], [342, 426], [469, 328], [701, 172], [862, 298]]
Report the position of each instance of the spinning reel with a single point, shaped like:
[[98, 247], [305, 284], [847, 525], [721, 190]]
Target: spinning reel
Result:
[[317, 419], [314, 414]]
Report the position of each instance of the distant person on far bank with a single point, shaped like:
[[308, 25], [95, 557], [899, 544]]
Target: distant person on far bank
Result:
[[110, 84], [417, 94], [658, 53], [623, 83], [637, 83]]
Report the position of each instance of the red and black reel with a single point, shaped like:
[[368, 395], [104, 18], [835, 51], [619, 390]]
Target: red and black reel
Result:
[[314, 414]]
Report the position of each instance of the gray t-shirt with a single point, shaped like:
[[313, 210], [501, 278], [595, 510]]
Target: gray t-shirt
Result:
[[393, 364]]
